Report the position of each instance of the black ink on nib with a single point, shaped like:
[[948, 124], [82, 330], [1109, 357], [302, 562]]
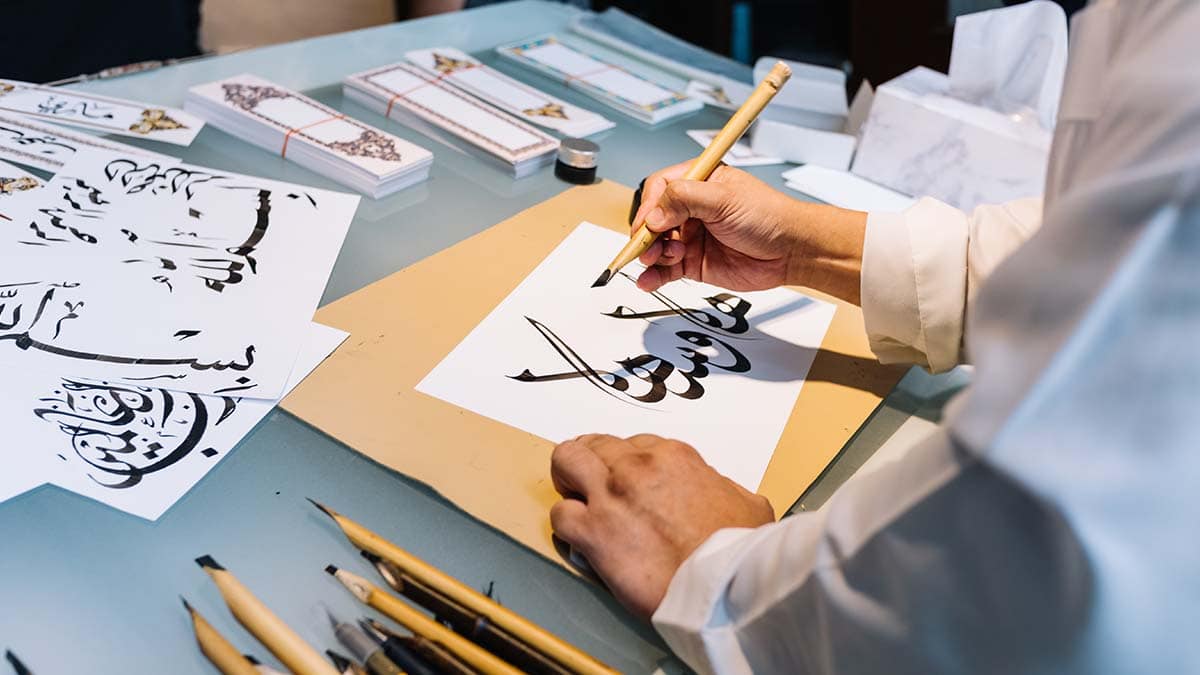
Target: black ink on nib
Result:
[[16, 663], [331, 569], [186, 605], [321, 506], [603, 279], [207, 562]]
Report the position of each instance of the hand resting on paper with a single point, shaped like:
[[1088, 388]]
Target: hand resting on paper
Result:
[[637, 508], [736, 232]]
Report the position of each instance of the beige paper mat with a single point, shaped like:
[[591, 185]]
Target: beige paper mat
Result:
[[402, 326]]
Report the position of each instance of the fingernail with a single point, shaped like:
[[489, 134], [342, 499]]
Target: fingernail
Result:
[[656, 217]]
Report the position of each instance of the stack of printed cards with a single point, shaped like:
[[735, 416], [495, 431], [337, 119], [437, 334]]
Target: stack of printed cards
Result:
[[427, 103], [99, 113], [27, 141], [607, 82], [313, 135], [14, 183], [523, 101]]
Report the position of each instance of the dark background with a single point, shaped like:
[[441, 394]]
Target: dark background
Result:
[[45, 40]]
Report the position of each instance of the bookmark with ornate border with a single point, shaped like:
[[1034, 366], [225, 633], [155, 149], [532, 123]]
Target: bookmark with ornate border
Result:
[[100, 113]]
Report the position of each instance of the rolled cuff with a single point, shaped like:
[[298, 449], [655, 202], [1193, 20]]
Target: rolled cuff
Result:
[[914, 284]]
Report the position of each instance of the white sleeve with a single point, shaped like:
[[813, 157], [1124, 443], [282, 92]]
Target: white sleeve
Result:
[[935, 546], [921, 270]]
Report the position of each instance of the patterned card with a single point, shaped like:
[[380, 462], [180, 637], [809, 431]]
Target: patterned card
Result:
[[246, 103], [525, 102], [401, 88], [605, 81], [100, 113], [14, 183], [27, 141]]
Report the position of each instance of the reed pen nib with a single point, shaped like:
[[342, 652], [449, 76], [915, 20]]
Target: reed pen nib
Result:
[[331, 569], [340, 662], [187, 605], [332, 619], [253, 661], [324, 509], [207, 562], [603, 279]]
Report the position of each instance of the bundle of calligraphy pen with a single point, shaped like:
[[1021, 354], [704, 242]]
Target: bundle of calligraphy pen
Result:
[[311, 134], [447, 628]]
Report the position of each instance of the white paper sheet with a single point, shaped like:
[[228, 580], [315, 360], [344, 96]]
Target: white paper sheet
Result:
[[740, 154], [558, 359], [24, 140], [179, 277], [100, 113], [137, 449], [844, 189], [517, 98]]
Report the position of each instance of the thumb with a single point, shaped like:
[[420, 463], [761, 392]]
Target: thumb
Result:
[[685, 199]]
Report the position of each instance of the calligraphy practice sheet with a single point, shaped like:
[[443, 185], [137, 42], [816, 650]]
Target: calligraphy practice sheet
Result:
[[517, 98], [405, 93], [135, 448], [100, 113], [24, 140], [310, 133], [604, 81], [716, 369], [175, 276]]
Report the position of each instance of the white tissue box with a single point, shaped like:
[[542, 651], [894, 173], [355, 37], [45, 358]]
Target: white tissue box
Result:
[[802, 145], [921, 142]]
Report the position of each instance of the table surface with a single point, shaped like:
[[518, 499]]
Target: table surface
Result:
[[74, 572]]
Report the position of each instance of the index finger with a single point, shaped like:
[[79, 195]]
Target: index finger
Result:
[[656, 184]]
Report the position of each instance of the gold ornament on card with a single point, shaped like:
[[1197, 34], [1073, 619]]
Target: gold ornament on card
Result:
[[549, 110], [10, 186], [154, 119], [446, 65]]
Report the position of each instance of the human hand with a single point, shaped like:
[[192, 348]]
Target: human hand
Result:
[[637, 508], [736, 232]]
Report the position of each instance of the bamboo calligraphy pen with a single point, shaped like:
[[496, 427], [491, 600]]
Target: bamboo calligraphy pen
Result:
[[213, 645], [270, 630], [706, 163], [510, 622], [466, 622]]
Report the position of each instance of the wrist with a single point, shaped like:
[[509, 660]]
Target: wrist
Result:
[[826, 254]]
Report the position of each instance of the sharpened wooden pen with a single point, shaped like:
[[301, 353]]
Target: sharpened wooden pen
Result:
[[216, 648], [465, 622], [12, 658], [706, 163], [510, 622], [270, 630], [412, 619]]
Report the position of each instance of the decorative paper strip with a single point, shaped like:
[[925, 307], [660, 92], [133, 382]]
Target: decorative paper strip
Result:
[[24, 140]]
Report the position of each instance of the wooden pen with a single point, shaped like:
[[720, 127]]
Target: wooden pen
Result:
[[412, 619], [14, 661], [465, 622], [216, 648], [706, 163], [270, 630], [512, 623]]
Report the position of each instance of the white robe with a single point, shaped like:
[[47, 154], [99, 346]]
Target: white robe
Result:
[[1053, 523]]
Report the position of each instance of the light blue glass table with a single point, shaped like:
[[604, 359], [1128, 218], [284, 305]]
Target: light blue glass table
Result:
[[84, 588]]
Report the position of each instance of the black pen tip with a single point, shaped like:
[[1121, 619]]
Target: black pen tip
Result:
[[371, 557], [253, 661], [319, 505], [186, 605], [602, 280], [207, 562], [340, 662], [331, 569]]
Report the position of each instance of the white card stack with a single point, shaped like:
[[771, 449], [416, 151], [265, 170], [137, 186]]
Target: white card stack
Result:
[[405, 93], [311, 134], [517, 98], [607, 82]]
